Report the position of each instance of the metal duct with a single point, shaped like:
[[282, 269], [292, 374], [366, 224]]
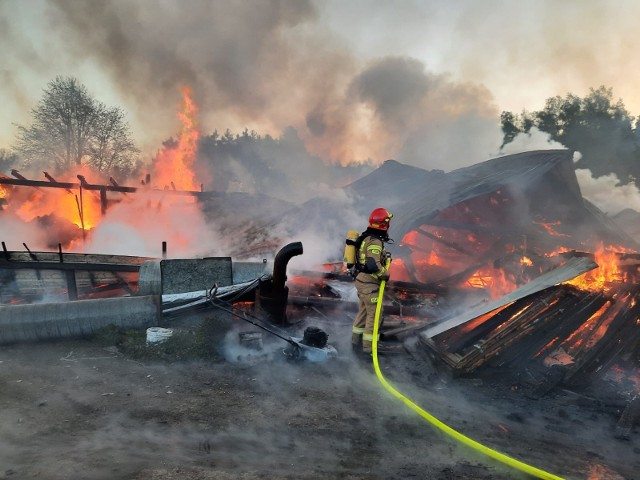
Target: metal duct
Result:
[[273, 294], [280, 263]]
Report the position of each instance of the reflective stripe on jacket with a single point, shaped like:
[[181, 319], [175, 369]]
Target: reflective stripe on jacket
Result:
[[371, 256]]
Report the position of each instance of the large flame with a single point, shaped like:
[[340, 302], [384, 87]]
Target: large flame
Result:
[[607, 273], [79, 206], [71, 215], [174, 164]]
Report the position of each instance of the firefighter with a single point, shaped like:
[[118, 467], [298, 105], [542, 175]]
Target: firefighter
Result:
[[371, 259]]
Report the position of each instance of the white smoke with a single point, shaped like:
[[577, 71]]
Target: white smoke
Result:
[[14, 231], [139, 225], [534, 140], [607, 193]]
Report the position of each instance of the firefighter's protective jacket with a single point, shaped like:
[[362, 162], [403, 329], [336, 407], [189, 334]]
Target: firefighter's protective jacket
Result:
[[371, 260]]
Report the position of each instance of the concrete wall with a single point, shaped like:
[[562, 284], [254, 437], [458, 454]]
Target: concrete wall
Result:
[[46, 321], [247, 271], [158, 277]]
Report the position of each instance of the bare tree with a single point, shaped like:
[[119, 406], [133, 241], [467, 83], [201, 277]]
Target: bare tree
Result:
[[7, 160], [71, 128], [112, 148]]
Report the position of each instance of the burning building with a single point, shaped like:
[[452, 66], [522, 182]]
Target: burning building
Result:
[[504, 266], [498, 265]]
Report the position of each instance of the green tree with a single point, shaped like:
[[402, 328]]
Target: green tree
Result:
[[71, 128], [601, 129], [510, 128]]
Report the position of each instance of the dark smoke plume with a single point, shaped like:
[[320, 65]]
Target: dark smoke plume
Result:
[[265, 66]]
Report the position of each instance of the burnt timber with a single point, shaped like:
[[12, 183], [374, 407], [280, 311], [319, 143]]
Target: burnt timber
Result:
[[29, 276]]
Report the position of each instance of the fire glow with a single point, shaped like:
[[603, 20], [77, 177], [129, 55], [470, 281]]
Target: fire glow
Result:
[[607, 273], [71, 215], [174, 164], [79, 207], [551, 228]]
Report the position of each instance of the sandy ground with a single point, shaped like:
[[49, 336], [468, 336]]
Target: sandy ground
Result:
[[80, 409]]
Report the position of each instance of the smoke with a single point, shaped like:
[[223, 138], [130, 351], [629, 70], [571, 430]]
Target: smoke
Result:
[[607, 193], [139, 224], [15, 231], [321, 225], [534, 140], [241, 60], [274, 67], [265, 67], [424, 119]]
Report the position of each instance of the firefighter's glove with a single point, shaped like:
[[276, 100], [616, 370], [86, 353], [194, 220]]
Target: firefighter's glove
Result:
[[353, 272], [386, 259]]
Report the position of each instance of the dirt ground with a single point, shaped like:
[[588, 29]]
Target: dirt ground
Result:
[[81, 409]]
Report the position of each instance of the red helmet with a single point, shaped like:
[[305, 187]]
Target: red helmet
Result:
[[379, 219]]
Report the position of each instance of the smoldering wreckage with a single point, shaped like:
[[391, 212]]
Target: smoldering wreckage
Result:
[[503, 276]]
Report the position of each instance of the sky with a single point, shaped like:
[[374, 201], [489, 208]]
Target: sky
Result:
[[422, 82]]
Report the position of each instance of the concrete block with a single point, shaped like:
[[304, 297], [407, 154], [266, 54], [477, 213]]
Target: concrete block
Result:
[[158, 277], [247, 271]]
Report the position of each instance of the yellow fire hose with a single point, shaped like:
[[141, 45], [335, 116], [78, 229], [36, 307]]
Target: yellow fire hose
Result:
[[501, 457]]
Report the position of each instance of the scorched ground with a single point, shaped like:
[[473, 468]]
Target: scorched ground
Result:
[[84, 409]]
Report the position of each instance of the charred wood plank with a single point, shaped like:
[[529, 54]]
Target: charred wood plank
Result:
[[571, 269], [444, 242], [621, 331], [553, 378], [20, 256], [517, 332], [72, 287], [629, 417], [109, 188], [560, 323], [525, 321], [401, 331], [103, 267], [575, 315]]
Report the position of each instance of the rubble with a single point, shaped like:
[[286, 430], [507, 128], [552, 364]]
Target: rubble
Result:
[[501, 265]]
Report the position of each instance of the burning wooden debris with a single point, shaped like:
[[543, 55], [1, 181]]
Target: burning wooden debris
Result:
[[502, 265], [34, 276]]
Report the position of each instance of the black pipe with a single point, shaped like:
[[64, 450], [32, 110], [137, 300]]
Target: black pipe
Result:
[[280, 263], [272, 294]]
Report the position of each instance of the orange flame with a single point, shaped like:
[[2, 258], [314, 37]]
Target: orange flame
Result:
[[434, 259], [471, 325], [65, 204], [83, 207], [577, 338], [549, 227], [494, 281], [607, 272], [174, 164], [526, 261], [602, 472]]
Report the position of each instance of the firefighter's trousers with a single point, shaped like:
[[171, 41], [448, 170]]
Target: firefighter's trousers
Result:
[[363, 325]]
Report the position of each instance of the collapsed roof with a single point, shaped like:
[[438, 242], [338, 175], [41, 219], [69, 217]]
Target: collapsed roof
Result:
[[538, 182], [524, 204]]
